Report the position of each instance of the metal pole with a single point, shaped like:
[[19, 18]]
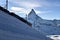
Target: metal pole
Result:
[[26, 16], [6, 4]]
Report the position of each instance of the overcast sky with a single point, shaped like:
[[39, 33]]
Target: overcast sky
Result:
[[47, 9]]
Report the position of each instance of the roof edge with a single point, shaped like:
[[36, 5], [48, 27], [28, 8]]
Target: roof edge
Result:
[[16, 16]]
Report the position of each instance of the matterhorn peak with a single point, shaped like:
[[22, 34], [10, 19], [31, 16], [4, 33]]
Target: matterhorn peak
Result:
[[32, 12]]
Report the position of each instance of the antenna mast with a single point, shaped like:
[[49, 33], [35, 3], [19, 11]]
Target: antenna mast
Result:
[[6, 4], [26, 16]]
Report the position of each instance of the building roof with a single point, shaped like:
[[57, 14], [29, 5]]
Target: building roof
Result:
[[16, 16]]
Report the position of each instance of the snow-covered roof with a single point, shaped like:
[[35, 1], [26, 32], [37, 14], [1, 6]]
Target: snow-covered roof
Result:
[[16, 16]]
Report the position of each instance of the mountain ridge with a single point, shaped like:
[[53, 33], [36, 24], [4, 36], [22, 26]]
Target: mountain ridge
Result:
[[46, 26]]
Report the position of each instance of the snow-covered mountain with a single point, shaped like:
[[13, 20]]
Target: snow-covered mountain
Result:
[[13, 27], [32, 17], [47, 27]]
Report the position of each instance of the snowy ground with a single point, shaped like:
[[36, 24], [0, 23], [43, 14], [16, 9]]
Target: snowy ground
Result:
[[54, 37]]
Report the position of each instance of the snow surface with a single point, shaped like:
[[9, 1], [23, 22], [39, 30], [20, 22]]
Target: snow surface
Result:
[[54, 37], [13, 29]]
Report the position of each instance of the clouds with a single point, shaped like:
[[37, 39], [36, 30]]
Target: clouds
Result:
[[51, 3], [24, 6], [27, 4], [41, 12], [22, 10], [26, 11], [40, 6], [19, 10]]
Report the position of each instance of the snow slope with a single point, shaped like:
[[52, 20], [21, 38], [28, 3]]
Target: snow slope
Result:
[[12, 28]]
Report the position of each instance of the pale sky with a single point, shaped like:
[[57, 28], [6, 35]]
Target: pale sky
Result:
[[47, 9]]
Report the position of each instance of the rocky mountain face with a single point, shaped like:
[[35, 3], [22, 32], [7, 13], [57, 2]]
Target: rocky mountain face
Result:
[[42, 25]]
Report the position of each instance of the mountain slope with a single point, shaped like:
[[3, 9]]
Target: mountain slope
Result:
[[32, 17], [47, 27]]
